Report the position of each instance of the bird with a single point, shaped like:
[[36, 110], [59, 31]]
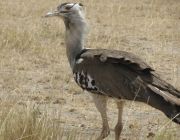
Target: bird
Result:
[[116, 74]]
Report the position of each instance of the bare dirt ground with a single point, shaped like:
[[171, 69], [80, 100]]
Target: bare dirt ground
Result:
[[33, 65]]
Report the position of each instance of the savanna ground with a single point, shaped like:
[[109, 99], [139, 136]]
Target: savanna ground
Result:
[[39, 99]]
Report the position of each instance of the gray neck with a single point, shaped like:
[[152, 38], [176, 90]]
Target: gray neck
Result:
[[74, 38]]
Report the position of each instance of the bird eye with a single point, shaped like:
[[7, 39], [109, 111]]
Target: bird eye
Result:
[[68, 7], [80, 4]]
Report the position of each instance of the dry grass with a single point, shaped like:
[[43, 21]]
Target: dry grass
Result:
[[28, 123], [34, 69]]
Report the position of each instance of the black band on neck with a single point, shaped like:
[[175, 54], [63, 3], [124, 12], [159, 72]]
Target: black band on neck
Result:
[[79, 55]]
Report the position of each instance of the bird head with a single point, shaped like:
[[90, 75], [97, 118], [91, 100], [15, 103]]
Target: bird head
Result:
[[67, 11], [72, 14]]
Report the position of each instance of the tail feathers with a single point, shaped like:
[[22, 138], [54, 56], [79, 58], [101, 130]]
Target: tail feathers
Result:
[[166, 95], [164, 86], [166, 102], [173, 113]]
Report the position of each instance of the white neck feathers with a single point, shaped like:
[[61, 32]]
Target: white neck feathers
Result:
[[75, 32]]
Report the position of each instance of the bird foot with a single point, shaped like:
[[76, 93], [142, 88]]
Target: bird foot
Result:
[[105, 132]]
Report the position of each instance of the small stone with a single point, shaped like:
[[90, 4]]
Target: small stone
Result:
[[131, 126], [72, 110], [59, 101], [47, 98], [81, 125], [35, 98], [150, 135]]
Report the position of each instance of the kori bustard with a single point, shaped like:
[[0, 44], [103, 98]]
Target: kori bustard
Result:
[[111, 73]]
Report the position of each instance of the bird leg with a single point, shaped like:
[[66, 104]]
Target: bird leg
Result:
[[101, 104], [119, 126]]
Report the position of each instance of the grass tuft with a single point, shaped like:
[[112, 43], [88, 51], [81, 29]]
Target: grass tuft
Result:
[[27, 123]]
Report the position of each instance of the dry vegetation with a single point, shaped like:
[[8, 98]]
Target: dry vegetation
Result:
[[38, 98]]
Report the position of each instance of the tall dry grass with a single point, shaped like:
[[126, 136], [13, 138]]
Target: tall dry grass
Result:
[[25, 122], [20, 121]]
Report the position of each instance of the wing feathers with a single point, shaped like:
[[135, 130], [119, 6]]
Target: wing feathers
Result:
[[125, 58], [131, 66]]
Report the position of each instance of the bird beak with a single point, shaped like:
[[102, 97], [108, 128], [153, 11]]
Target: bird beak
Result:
[[51, 14]]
